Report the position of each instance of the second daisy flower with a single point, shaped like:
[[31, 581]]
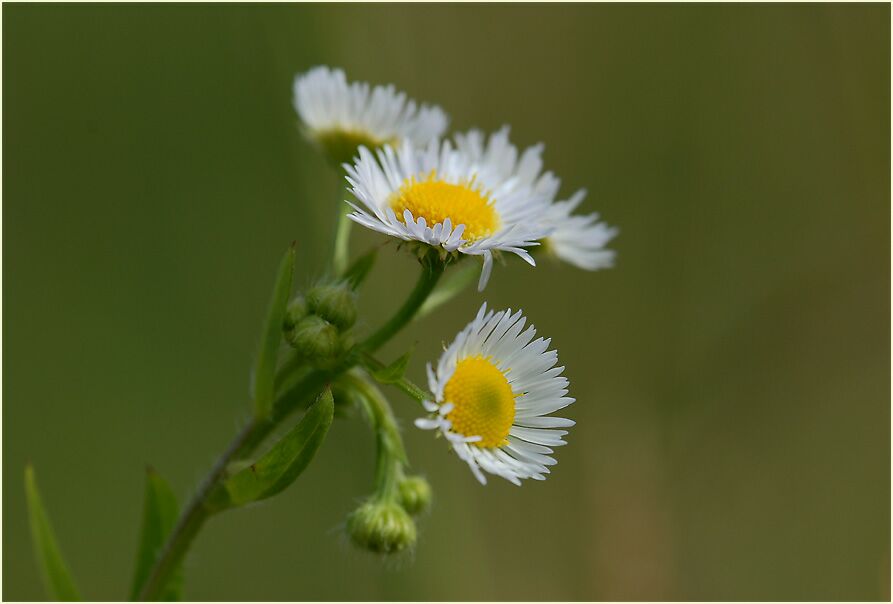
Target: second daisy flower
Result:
[[494, 387]]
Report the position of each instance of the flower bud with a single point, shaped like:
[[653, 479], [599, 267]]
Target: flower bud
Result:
[[315, 337], [415, 494], [383, 527], [334, 303]]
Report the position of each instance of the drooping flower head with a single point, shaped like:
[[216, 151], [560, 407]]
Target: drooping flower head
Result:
[[575, 238], [448, 198], [341, 116], [494, 387]]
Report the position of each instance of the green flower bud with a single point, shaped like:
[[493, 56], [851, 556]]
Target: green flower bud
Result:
[[334, 303], [383, 527], [415, 494], [316, 338]]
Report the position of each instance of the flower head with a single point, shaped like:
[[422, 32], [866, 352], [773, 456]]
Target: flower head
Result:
[[448, 198], [341, 116], [493, 388]]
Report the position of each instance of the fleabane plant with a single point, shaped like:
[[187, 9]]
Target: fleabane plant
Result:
[[454, 206]]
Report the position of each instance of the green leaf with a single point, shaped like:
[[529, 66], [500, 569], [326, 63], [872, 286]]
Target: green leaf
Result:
[[265, 369], [358, 271], [160, 512], [452, 284], [287, 459], [394, 372], [56, 575]]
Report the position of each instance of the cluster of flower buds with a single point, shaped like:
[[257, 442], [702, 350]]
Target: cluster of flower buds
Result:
[[318, 324], [383, 524]]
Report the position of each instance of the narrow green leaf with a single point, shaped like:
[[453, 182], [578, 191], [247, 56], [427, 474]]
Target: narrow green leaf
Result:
[[287, 459], [394, 372], [358, 271], [450, 286], [56, 575], [265, 369], [160, 512]]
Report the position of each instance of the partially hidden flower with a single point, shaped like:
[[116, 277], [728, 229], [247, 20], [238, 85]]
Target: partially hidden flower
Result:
[[445, 197], [494, 388], [578, 239], [342, 115]]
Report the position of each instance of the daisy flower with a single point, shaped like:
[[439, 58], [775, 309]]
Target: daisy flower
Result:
[[447, 198], [577, 239], [493, 388], [341, 116]]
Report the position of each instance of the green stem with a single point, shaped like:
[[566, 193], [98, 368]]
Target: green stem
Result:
[[191, 521], [198, 510], [341, 252], [431, 273], [391, 455]]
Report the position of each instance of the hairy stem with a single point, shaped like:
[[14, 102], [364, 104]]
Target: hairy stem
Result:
[[191, 520], [391, 455], [198, 510]]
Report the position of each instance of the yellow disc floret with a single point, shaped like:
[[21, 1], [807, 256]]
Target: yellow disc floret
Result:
[[436, 200], [483, 402]]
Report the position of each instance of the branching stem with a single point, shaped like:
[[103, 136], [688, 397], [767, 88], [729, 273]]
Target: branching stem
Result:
[[198, 510], [403, 384], [294, 393]]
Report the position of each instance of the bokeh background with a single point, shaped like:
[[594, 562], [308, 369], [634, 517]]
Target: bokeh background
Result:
[[732, 372]]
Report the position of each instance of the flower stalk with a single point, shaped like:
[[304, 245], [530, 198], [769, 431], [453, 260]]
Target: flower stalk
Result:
[[432, 271], [383, 523]]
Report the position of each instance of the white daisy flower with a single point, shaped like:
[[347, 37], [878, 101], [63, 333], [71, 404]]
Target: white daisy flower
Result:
[[493, 388], [341, 116], [577, 239], [445, 197]]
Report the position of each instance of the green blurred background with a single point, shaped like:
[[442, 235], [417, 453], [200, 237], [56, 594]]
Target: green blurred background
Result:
[[732, 372]]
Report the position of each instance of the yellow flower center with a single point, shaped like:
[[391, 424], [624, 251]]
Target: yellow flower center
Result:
[[483, 402], [436, 200]]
